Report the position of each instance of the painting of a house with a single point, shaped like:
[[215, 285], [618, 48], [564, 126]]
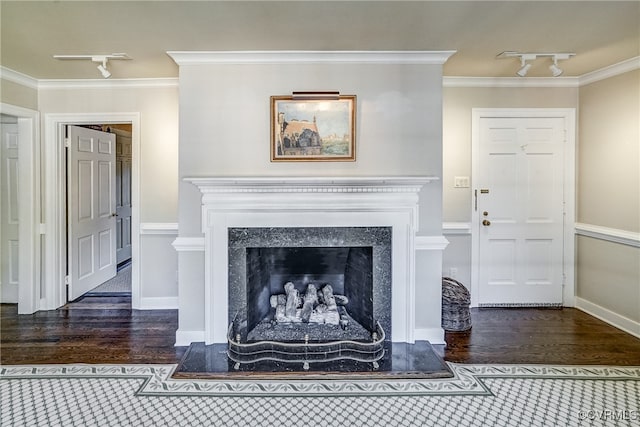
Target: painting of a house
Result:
[[313, 129], [301, 138]]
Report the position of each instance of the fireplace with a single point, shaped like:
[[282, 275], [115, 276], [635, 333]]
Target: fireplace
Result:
[[349, 265], [253, 224]]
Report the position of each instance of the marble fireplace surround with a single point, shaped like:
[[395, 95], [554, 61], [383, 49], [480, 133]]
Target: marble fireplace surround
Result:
[[237, 202]]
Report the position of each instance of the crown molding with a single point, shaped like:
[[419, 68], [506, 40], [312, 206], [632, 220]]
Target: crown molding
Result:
[[611, 71], [19, 78], [310, 57], [106, 83], [389, 57], [522, 82]]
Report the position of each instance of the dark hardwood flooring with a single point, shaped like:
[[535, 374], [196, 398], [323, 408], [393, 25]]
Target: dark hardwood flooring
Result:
[[565, 336], [107, 330], [91, 330]]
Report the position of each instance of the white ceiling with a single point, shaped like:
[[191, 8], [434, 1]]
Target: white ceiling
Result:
[[600, 33]]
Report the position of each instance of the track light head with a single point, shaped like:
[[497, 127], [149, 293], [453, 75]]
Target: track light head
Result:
[[524, 70], [555, 70], [524, 65], [102, 65], [103, 70]]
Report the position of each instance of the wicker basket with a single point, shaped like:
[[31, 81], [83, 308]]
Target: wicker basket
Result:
[[455, 306]]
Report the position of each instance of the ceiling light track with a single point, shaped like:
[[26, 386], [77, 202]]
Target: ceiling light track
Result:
[[102, 60], [526, 60]]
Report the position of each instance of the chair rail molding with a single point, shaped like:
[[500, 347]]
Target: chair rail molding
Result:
[[189, 244], [456, 228], [624, 237], [167, 228]]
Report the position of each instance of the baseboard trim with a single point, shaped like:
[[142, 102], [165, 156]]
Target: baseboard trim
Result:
[[185, 338], [433, 335], [158, 303], [614, 319]]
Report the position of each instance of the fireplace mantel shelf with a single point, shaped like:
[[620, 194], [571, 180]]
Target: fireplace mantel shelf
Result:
[[311, 184]]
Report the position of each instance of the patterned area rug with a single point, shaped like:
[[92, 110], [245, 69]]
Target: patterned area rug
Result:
[[119, 284], [478, 395]]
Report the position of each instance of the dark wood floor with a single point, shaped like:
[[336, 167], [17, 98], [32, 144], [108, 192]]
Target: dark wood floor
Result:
[[92, 330], [106, 330]]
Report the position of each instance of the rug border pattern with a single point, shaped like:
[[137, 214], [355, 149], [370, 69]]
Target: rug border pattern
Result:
[[467, 380]]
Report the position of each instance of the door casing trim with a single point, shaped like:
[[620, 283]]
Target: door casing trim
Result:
[[55, 210], [569, 188], [28, 206]]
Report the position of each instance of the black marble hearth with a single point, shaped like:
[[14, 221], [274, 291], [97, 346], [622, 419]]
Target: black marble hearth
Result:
[[401, 360]]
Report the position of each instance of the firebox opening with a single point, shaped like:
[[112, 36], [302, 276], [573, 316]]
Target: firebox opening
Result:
[[331, 289]]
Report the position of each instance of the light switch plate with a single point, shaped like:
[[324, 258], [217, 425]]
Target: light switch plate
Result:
[[461, 182]]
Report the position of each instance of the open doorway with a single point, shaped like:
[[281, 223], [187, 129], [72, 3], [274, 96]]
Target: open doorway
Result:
[[99, 210], [55, 260]]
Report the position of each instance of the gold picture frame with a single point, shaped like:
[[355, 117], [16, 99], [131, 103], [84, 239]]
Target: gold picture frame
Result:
[[313, 129]]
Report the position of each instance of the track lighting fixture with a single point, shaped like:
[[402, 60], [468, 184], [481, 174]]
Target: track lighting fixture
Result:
[[524, 65], [555, 70], [526, 60], [102, 67], [524, 69], [102, 60]]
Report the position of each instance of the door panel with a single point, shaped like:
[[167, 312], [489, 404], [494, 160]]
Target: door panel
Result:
[[520, 208], [91, 199], [9, 242], [123, 196]]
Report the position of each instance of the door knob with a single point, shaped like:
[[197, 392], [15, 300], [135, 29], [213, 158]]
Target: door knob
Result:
[[486, 222]]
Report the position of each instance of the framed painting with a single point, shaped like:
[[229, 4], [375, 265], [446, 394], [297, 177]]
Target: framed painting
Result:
[[313, 129]]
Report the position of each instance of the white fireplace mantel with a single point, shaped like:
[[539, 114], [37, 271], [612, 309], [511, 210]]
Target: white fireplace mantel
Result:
[[229, 202], [359, 184]]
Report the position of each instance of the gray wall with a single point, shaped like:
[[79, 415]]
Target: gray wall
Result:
[[225, 131], [608, 274]]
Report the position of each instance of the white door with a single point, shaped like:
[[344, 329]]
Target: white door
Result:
[[520, 210], [123, 196], [9, 265], [91, 209]]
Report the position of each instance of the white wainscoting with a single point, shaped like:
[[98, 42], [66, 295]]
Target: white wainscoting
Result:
[[163, 230], [613, 235]]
